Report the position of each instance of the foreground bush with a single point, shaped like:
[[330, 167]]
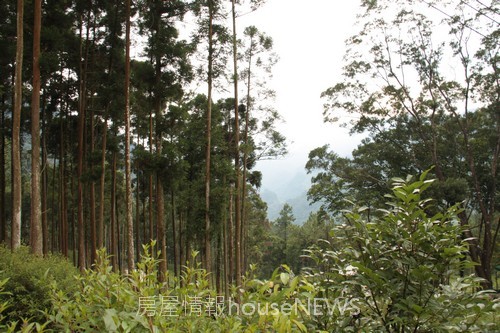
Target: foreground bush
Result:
[[109, 302], [27, 280], [401, 272]]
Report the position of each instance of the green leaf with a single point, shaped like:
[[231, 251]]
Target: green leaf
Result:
[[109, 320], [284, 277]]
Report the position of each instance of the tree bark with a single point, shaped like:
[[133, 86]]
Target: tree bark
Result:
[[245, 155], [162, 239], [3, 215], [208, 139], [160, 225], [63, 237], [44, 190], [16, 128], [93, 229], [100, 221], [128, 181], [114, 229], [237, 194], [81, 145], [150, 185], [174, 234]]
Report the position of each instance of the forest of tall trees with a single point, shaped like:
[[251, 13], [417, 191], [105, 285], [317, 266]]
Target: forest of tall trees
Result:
[[120, 131], [130, 135]]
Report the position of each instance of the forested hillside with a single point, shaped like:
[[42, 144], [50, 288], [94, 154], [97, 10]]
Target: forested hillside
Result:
[[130, 135], [126, 150]]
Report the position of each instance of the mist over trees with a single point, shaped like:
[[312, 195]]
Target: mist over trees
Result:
[[130, 135]]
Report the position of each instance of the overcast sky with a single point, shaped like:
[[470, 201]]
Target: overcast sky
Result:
[[309, 39]]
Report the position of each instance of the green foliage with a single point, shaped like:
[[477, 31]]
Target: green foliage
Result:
[[28, 279], [400, 272], [109, 302], [397, 84], [405, 270]]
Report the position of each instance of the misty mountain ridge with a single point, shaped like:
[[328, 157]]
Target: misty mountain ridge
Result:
[[293, 192]]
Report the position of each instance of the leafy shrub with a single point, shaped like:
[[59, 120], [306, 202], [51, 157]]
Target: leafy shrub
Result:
[[28, 280], [400, 272], [109, 302]]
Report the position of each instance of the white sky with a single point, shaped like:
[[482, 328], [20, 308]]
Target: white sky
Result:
[[309, 39]]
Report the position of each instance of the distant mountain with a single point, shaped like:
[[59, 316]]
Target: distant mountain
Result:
[[274, 204], [293, 192]]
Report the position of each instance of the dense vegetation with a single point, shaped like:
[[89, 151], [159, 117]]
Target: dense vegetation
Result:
[[402, 271], [132, 148], [126, 123]]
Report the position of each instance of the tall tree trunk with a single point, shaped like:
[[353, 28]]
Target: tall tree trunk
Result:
[[114, 230], [245, 158], [225, 243], [72, 221], [44, 190], [174, 234], [230, 235], [137, 226], [150, 184], [237, 194], [55, 228], [100, 221], [128, 181], [92, 194], [180, 239], [63, 238], [3, 216], [160, 225], [162, 238], [16, 128], [93, 229], [36, 210], [81, 144], [101, 234], [208, 140]]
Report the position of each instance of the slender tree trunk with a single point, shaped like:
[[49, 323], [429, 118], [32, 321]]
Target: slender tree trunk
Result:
[[237, 194], [151, 193], [44, 190], [55, 227], [3, 215], [162, 239], [245, 158], [92, 185], [218, 268], [16, 128], [174, 233], [181, 242], [225, 256], [128, 181], [72, 219], [120, 237], [93, 228], [225, 243], [230, 236], [100, 221], [160, 225], [114, 230], [101, 234], [137, 226], [81, 146], [208, 140], [36, 241], [62, 185]]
